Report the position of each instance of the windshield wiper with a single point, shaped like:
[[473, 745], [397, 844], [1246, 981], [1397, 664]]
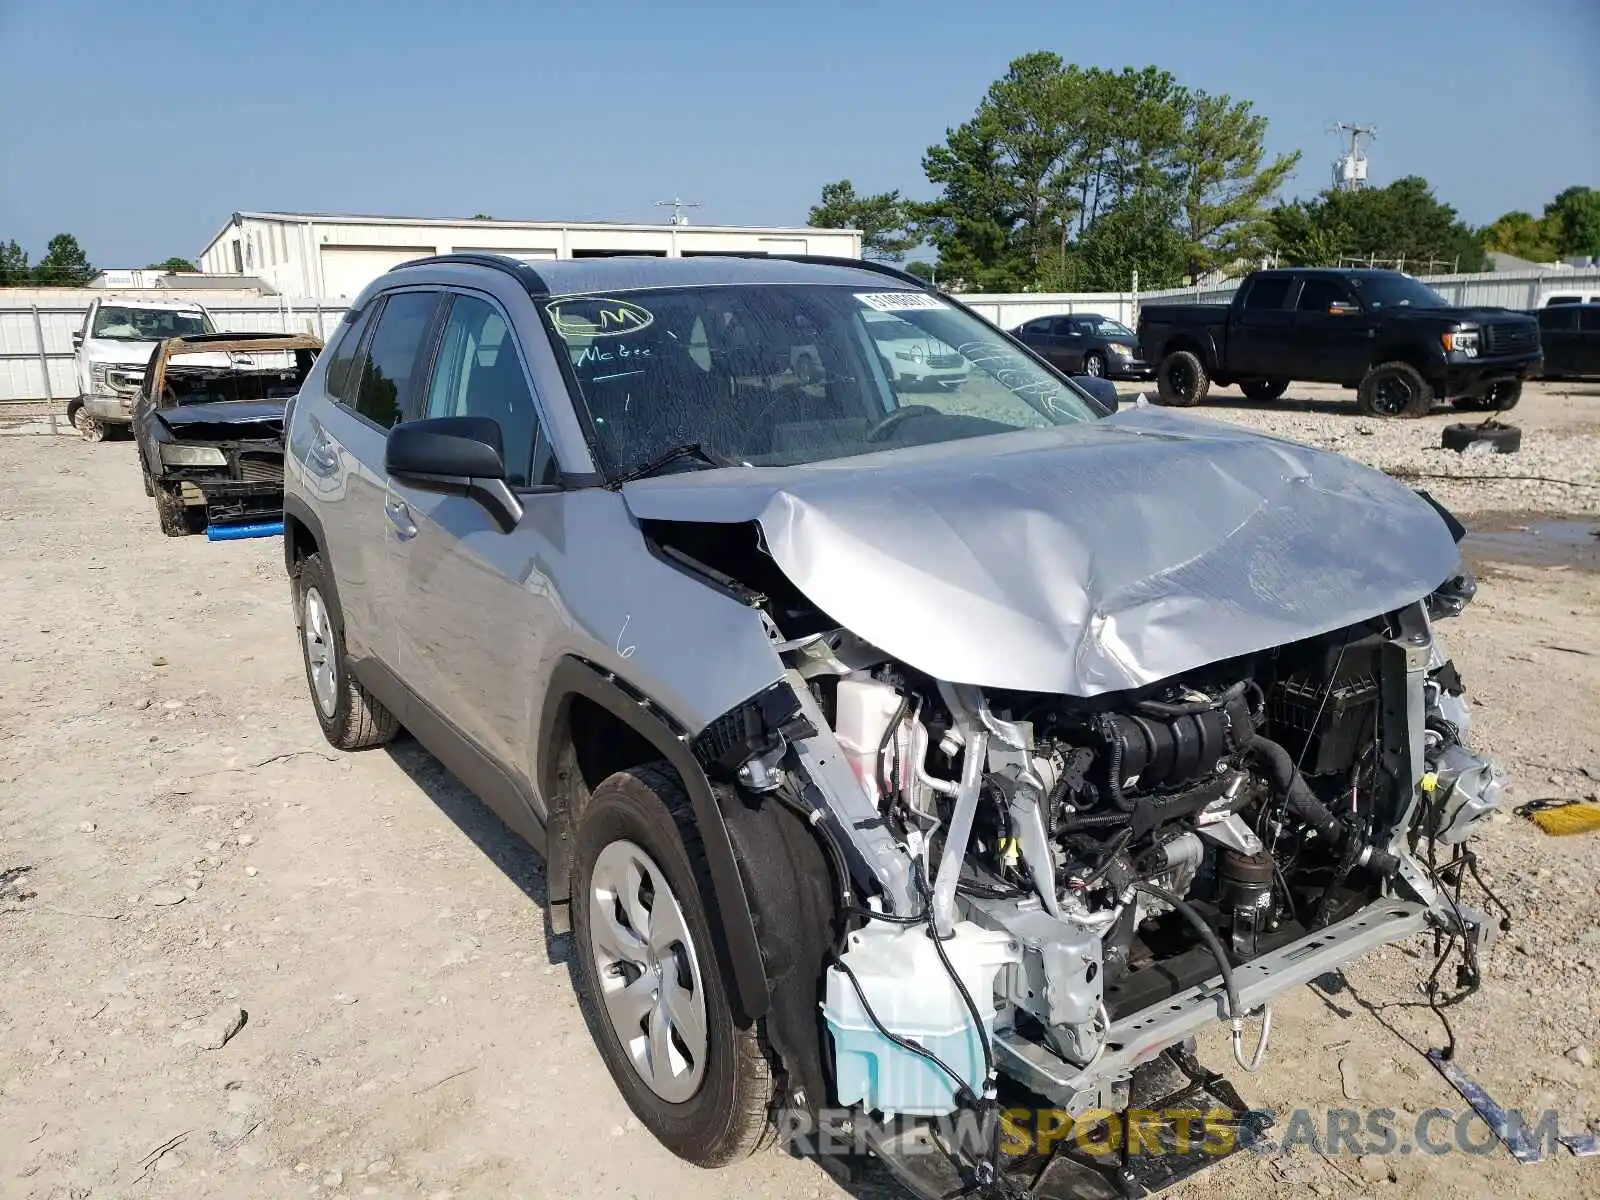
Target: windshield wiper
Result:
[[667, 457]]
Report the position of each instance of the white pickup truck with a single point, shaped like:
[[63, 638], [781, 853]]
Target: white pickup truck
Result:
[[119, 334]]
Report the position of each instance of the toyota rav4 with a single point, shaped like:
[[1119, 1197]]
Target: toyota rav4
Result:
[[897, 759]]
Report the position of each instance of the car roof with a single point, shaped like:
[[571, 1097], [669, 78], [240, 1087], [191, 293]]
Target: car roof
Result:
[[582, 276], [160, 303]]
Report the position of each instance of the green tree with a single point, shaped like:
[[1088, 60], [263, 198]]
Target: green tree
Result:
[[1140, 234], [922, 270], [64, 264], [14, 265], [1402, 223], [1521, 234], [1054, 148], [886, 219], [173, 264], [1224, 183], [1574, 218]]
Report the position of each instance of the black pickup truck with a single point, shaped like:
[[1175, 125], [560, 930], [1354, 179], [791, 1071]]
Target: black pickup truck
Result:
[[1393, 339]]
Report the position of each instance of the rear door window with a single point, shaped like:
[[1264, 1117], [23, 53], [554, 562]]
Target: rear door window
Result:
[[1589, 319], [391, 356], [1270, 292]]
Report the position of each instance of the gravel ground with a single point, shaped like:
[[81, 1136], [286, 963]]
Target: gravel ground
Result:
[[180, 852], [1560, 425]]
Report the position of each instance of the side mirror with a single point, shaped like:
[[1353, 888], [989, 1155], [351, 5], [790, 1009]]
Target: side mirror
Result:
[[77, 339], [1100, 388], [460, 456]]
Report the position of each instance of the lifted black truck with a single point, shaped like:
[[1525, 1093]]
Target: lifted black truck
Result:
[[211, 437], [1387, 335]]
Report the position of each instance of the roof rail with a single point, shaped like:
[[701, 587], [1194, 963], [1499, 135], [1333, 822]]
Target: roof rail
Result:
[[826, 260], [521, 271]]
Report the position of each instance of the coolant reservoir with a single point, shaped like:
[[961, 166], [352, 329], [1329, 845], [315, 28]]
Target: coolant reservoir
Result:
[[914, 997], [864, 710]]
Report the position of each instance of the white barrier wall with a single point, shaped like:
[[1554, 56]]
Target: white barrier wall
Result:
[[37, 324]]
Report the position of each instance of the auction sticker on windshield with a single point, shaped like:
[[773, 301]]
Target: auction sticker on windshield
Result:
[[899, 301]]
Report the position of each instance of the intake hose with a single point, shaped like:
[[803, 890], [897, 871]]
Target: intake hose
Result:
[[1290, 786], [1113, 738]]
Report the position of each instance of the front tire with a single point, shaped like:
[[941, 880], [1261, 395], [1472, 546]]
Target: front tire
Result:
[[1094, 365], [1395, 389], [351, 717], [1181, 380], [1264, 389], [648, 978], [171, 512], [90, 427]]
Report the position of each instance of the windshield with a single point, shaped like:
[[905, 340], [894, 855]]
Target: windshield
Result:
[[147, 324], [1105, 327], [1396, 291], [770, 375]]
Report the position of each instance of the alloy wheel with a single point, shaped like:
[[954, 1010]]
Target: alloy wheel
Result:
[[1391, 396], [90, 427], [1093, 367], [317, 634], [649, 973]]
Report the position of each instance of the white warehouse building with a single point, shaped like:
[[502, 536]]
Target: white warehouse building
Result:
[[333, 255]]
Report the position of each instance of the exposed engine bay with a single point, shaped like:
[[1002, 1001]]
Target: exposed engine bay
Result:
[[1108, 875]]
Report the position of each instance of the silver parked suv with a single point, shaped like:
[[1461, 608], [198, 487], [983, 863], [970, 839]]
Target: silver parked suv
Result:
[[900, 758]]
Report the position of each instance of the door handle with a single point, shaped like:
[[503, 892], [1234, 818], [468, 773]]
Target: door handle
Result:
[[323, 454], [399, 514]]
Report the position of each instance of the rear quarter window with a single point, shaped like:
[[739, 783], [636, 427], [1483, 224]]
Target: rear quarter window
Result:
[[340, 381]]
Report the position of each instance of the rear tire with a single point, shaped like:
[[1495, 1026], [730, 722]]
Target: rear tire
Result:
[[644, 817], [1181, 380], [1394, 389], [1264, 389], [351, 717]]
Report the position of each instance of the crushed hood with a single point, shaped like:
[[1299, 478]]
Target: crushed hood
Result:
[[1086, 559], [224, 420]]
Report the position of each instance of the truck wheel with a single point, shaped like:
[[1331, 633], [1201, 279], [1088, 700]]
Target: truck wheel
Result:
[[90, 427], [1181, 380], [1264, 389], [648, 978], [351, 717], [1394, 389]]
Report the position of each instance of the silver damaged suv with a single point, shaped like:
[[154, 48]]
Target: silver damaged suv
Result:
[[899, 758]]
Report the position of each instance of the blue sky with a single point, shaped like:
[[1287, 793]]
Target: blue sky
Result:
[[141, 127]]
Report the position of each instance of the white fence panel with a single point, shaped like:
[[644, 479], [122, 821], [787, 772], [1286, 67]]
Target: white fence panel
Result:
[[57, 314], [1010, 310]]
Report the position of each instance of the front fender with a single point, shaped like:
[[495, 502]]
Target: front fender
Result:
[[730, 903]]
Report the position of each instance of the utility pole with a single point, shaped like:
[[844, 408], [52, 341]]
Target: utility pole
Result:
[[679, 217], [1350, 171]]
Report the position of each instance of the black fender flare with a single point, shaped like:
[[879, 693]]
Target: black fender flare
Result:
[[298, 510], [573, 677]]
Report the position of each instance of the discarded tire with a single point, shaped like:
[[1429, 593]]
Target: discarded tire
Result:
[[1500, 438]]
